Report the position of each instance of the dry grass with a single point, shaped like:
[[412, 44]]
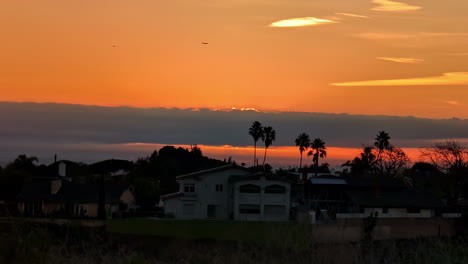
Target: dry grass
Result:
[[25, 243]]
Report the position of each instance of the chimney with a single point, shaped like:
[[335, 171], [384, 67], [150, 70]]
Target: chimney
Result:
[[55, 186], [55, 158]]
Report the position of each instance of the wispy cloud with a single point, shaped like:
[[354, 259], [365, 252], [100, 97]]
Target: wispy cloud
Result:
[[393, 6], [351, 15], [451, 102], [302, 22], [401, 60], [458, 54], [396, 36], [451, 78]]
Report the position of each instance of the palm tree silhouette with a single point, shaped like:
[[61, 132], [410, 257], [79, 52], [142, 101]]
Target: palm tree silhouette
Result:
[[269, 136], [382, 143], [318, 151], [256, 131], [303, 142]]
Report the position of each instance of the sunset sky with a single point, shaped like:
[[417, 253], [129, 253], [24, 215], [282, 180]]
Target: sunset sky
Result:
[[366, 57]]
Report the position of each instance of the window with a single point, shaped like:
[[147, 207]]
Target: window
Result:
[[413, 210], [275, 210], [249, 208], [385, 210], [275, 189], [189, 187], [219, 187], [189, 209], [249, 188]]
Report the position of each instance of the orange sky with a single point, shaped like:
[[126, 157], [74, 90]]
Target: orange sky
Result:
[[278, 156], [355, 56]]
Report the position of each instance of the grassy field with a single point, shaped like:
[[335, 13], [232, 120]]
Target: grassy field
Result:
[[272, 233], [202, 242]]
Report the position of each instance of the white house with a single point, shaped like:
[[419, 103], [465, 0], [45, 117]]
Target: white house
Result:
[[229, 192], [260, 198]]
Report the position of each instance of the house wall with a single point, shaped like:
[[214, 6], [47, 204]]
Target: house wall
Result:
[[91, 209], [21, 207], [263, 200], [195, 205], [49, 207]]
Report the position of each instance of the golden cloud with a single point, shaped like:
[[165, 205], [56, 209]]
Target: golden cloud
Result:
[[352, 15], [388, 36], [401, 60], [301, 22], [393, 6], [451, 78]]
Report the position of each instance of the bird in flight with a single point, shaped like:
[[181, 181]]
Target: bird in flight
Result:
[[204, 43]]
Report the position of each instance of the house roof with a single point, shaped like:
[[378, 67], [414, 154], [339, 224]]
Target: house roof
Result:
[[196, 175], [328, 180], [383, 182], [395, 199], [171, 195], [69, 192]]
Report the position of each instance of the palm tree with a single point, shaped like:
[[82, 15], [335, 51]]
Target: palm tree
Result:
[[269, 136], [256, 131], [318, 151], [382, 141], [303, 142]]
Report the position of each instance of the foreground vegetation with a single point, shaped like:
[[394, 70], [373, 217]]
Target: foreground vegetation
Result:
[[277, 234], [27, 243]]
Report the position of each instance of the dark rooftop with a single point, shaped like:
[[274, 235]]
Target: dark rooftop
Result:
[[69, 192], [197, 174]]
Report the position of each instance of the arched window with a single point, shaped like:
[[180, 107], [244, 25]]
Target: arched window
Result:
[[275, 189], [249, 188]]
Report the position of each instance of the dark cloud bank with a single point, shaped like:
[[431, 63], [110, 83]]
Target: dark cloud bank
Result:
[[47, 127]]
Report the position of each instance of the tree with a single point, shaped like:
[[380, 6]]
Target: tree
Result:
[[303, 142], [269, 137], [381, 159], [318, 151], [256, 131], [16, 174], [452, 158], [393, 160], [364, 163], [382, 144], [382, 141], [448, 156]]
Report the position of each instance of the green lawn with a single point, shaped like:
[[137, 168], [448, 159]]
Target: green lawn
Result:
[[257, 232]]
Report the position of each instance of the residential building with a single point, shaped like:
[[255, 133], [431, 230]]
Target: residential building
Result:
[[229, 192], [61, 198]]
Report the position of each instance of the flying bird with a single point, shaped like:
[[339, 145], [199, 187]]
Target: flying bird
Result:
[[204, 43]]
